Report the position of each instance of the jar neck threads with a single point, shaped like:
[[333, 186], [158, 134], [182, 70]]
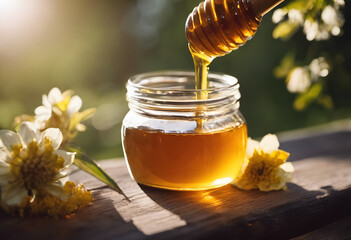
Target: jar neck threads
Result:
[[171, 95]]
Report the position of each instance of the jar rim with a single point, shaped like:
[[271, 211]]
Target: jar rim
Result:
[[164, 92], [134, 81]]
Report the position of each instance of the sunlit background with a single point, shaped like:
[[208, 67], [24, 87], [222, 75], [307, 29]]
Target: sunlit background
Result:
[[93, 47]]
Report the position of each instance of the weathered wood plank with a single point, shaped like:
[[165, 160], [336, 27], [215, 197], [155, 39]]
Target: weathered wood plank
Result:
[[319, 195], [340, 230]]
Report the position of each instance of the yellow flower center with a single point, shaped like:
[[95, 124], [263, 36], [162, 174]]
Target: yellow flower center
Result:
[[62, 122], [60, 119], [35, 168], [50, 205], [62, 106]]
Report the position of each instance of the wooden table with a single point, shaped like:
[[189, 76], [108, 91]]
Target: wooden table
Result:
[[317, 204]]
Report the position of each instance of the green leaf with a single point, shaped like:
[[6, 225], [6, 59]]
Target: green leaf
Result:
[[305, 99], [285, 30], [85, 163], [86, 114], [286, 65], [300, 4], [326, 101], [78, 117]]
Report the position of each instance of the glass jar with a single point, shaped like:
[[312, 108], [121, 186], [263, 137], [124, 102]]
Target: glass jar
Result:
[[180, 138]]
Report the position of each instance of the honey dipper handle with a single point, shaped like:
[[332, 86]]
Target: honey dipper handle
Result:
[[261, 7]]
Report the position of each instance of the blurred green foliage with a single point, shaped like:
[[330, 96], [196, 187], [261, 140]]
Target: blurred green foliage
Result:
[[93, 47], [309, 76]]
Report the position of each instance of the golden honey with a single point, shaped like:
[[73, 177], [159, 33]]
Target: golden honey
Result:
[[185, 161]]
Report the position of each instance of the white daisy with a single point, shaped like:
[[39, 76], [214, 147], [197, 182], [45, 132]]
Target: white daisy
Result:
[[299, 80], [58, 103], [30, 162], [278, 15]]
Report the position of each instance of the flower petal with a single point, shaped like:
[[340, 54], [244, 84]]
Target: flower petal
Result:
[[9, 139], [13, 194], [63, 178], [27, 132], [55, 96], [4, 173], [269, 143], [56, 189], [54, 135], [43, 112], [4, 156], [74, 105], [251, 146], [4, 167], [68, 156], [45, 101], [4, 179]]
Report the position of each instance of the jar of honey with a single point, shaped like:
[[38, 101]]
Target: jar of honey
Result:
[[181, 138]]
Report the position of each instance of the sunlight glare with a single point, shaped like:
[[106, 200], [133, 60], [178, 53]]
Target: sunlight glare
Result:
[[222, 181], [20, 19]]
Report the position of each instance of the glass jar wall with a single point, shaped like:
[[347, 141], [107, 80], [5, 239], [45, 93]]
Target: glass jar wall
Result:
[[179, 138]]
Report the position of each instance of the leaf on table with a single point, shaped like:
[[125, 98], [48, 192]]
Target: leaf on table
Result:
[[85, 163]]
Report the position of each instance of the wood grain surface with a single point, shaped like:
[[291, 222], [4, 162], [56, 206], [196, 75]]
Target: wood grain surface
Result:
[[318, 197]]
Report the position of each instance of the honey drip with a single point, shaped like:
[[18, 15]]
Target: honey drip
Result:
[[188, 161], [215, 28]]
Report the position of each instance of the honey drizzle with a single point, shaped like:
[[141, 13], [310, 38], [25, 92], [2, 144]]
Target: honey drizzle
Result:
[[215, 28]]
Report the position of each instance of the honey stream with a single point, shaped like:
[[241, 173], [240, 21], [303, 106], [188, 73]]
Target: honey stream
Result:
[[215, 28]]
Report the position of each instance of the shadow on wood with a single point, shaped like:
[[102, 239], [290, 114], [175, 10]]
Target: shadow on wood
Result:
[[230, 213], [319, 194]]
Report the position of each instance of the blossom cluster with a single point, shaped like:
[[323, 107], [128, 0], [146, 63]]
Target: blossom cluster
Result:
[[301, 78], [60, 110], [34, 166], [318, 20]]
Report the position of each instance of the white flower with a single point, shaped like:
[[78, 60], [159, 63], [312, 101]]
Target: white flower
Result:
[[295, 16], [330, 23], [319, 68], [333, 19], [278, 15], [329, 15], [30, 162], [310, 28], [265, 167], [298, 80], [61, 110], [336, 31], [58, 103], [339, 2]]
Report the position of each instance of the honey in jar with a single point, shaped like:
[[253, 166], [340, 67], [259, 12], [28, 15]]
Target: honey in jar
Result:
[[162, 142], [185, 161]]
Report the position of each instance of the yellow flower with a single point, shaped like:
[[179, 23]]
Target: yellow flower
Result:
[[264, 167], [50, 205], [61, 110], [30, 163]]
